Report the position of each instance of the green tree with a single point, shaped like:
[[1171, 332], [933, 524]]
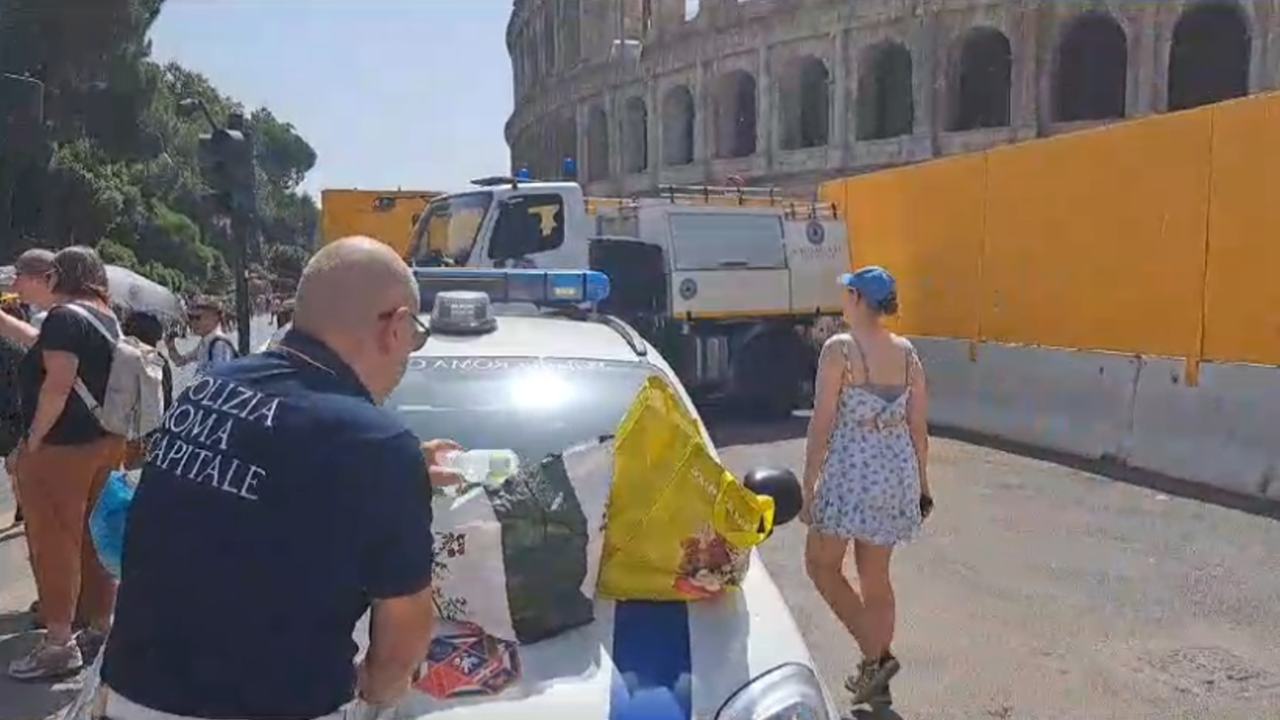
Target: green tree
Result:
[[118, 165]]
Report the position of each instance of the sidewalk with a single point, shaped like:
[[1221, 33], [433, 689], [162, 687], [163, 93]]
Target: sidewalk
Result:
[[21, 701]]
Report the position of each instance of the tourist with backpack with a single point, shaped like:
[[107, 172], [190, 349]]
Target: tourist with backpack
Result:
[[205, 317], [84, 389]]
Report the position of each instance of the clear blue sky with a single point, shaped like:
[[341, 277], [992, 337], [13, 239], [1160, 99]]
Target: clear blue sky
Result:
[[391, 93]]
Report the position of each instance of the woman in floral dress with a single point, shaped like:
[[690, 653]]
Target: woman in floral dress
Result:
[[865, 479]]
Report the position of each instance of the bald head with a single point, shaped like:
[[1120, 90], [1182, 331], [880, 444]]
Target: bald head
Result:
[[347, 284]]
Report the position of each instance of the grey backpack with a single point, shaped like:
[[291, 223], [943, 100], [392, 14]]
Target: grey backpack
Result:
[[133, 405]]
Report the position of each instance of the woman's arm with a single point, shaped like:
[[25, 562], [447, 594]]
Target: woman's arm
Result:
[[60, 376], [918, 419], [20, 332], [177, 356], [826, 399]]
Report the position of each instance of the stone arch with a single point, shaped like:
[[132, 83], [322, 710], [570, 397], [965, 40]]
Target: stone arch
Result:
[[566, 145], [735, 114], [678, 115], [886, 101], [805, 95], [1092, 66], [982, 81], [1209, 57], [635, 135], [597, 144]]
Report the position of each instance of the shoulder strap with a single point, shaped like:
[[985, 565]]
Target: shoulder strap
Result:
[[223, 339], [910, 362], [81, 389], [93, 320], [862, 356]]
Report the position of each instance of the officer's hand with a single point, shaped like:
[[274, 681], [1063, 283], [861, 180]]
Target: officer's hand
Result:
[[433, 454], [443, 477], [433, 451]]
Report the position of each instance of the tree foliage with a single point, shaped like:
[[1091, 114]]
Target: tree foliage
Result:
[[117, 165]]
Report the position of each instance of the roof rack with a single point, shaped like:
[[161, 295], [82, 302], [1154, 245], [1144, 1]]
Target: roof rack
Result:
[[722, 196], [633, 338], [628, 334]]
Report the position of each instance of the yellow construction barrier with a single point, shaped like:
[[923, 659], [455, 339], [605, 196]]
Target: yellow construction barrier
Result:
[[1158, 236]]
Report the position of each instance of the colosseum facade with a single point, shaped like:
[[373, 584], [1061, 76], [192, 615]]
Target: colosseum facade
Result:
[[642, 93]]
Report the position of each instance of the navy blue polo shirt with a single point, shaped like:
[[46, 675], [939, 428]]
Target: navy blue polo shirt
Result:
[[275, 503]]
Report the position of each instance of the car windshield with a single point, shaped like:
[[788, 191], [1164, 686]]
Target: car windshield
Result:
[[450, 226], [534, 406]]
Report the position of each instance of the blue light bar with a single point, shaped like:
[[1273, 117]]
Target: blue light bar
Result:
[[538, 287]]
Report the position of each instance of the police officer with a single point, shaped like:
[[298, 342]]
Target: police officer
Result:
[[278, 503]]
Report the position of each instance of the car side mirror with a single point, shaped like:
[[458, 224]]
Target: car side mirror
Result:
[[782, 486]]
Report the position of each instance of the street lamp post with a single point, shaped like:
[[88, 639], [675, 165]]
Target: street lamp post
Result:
[[226, 161]]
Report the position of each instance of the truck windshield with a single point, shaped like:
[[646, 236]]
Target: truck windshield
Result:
[[534, 406], [449, 227]]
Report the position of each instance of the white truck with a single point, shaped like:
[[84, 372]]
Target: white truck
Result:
[[733, 285]]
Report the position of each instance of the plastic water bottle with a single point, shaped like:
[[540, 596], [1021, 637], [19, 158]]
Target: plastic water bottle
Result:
[[483, 467]]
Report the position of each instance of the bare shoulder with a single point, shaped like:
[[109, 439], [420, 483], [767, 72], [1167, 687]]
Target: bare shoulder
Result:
[[902, 343], [838, 341]]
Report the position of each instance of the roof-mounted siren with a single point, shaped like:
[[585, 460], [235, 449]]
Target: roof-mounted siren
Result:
[[496, 180]]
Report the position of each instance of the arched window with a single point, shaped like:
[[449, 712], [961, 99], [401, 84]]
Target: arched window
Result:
[[1209, 58], [886, 104], [735, 114], [982, 83], [572, 13], [597, 144], [806, 104], [635, 136], [677, 126], [549, 38], [691, 9], [1093, 61]]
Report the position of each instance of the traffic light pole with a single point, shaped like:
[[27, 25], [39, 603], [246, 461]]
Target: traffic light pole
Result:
[[240, 229], [227, 164]]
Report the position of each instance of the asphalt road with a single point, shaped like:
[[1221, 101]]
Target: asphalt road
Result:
[[1042, 592], [1038, 592]]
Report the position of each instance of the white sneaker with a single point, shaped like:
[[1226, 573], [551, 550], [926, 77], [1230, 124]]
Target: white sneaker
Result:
[[47, 660]]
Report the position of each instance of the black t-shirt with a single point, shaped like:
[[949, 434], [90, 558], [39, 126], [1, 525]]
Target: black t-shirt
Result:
[[66, 330], [275, 503]]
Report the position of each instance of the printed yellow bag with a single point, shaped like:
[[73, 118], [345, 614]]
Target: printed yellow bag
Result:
[[679, 526]]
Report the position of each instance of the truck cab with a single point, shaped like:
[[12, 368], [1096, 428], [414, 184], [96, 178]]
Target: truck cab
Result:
[[505, 223], [731, 283]]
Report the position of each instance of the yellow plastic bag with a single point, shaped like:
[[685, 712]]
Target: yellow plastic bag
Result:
[[679, 526]]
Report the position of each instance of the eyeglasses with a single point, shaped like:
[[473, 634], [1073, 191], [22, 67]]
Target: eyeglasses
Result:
[[420, 330]]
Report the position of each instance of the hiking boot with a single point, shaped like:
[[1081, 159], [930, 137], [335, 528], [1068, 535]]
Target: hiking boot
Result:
[[882, 699], [90, 643], [872, 679], [47, 661]]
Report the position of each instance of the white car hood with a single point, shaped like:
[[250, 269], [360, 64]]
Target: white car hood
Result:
[[730, 641]]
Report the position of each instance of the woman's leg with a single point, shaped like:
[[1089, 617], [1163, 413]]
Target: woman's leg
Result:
[[879, 605], [55, 491], [98, 587], [824, 561]]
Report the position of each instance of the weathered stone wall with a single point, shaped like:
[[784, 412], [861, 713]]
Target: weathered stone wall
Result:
[[792, 92]]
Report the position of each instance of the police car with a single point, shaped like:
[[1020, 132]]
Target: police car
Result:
[[521, 362], [517, 359]]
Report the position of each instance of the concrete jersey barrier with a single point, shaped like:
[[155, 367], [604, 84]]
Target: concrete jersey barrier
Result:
[[1224, 433]]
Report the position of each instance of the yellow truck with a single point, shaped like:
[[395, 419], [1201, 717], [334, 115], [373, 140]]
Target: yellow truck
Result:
[[386, 215]]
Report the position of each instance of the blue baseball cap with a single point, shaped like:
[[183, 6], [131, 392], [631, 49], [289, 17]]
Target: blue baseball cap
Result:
[[872, 282]]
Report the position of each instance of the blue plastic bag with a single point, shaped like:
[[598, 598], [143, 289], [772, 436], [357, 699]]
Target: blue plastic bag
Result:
[[107, 522]]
